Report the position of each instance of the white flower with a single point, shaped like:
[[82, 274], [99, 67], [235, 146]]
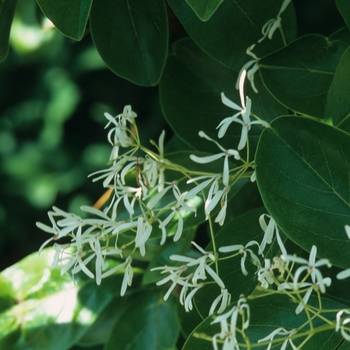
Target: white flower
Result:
[[186, 299], [202, 268], [144, 230], [296, 286], [179, 208], [271, 25], [174, 276], [266, 274], [228, 329], [241, 249], [225, 298], [310, 267], [270, 229], [120, 131], [208, 179], [225, 153], [345, 273], [223, 203], [341, 323], [251, 71], [244, 111], [284, 333]]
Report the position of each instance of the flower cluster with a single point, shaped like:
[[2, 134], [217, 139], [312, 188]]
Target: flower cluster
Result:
[[230, 327]]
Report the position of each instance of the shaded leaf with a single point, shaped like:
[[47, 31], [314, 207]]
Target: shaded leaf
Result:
[[221, 37], [269, 313], [302, 171], [7, 11], [338, 99], [190, 96], [149, 323], [204, 9], [69, 17], [131, 37], [344, 9], [300, 74]]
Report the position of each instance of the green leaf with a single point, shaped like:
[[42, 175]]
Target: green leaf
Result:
[[69, 17], [240, 230], [101, 329], [131, 37], [269, 313], [45, 310], [204, 9], [7, 11], [342, 34], [302, 171], [338, 99], [190, 97], [300, 74], [344, 9], [149, 323], [222, 38]]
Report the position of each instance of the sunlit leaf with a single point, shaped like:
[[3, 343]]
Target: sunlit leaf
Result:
[[45, 310]]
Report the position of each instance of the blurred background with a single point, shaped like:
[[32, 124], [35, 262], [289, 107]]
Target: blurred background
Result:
[[53, 94]]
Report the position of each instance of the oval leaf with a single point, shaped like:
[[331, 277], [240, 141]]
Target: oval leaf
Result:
[[299, 75], [131, 37], [149, 323], [338, 99], [302, 171], [221, 37], [204, 9], [69, 17]]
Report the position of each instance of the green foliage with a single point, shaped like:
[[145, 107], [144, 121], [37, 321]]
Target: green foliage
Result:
[[253, 166], [131, 37], [307, 64], [70, 18], [7, 10], [308, 194]]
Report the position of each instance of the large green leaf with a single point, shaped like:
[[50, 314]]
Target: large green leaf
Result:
[[42, 310], [204, 9], [221, 37], [344, 9], [269, 313], [338, 99], [7, 11], [190, 96], [131, 37], [70, 17], [300, 74], [302, 171], [149, 323]]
